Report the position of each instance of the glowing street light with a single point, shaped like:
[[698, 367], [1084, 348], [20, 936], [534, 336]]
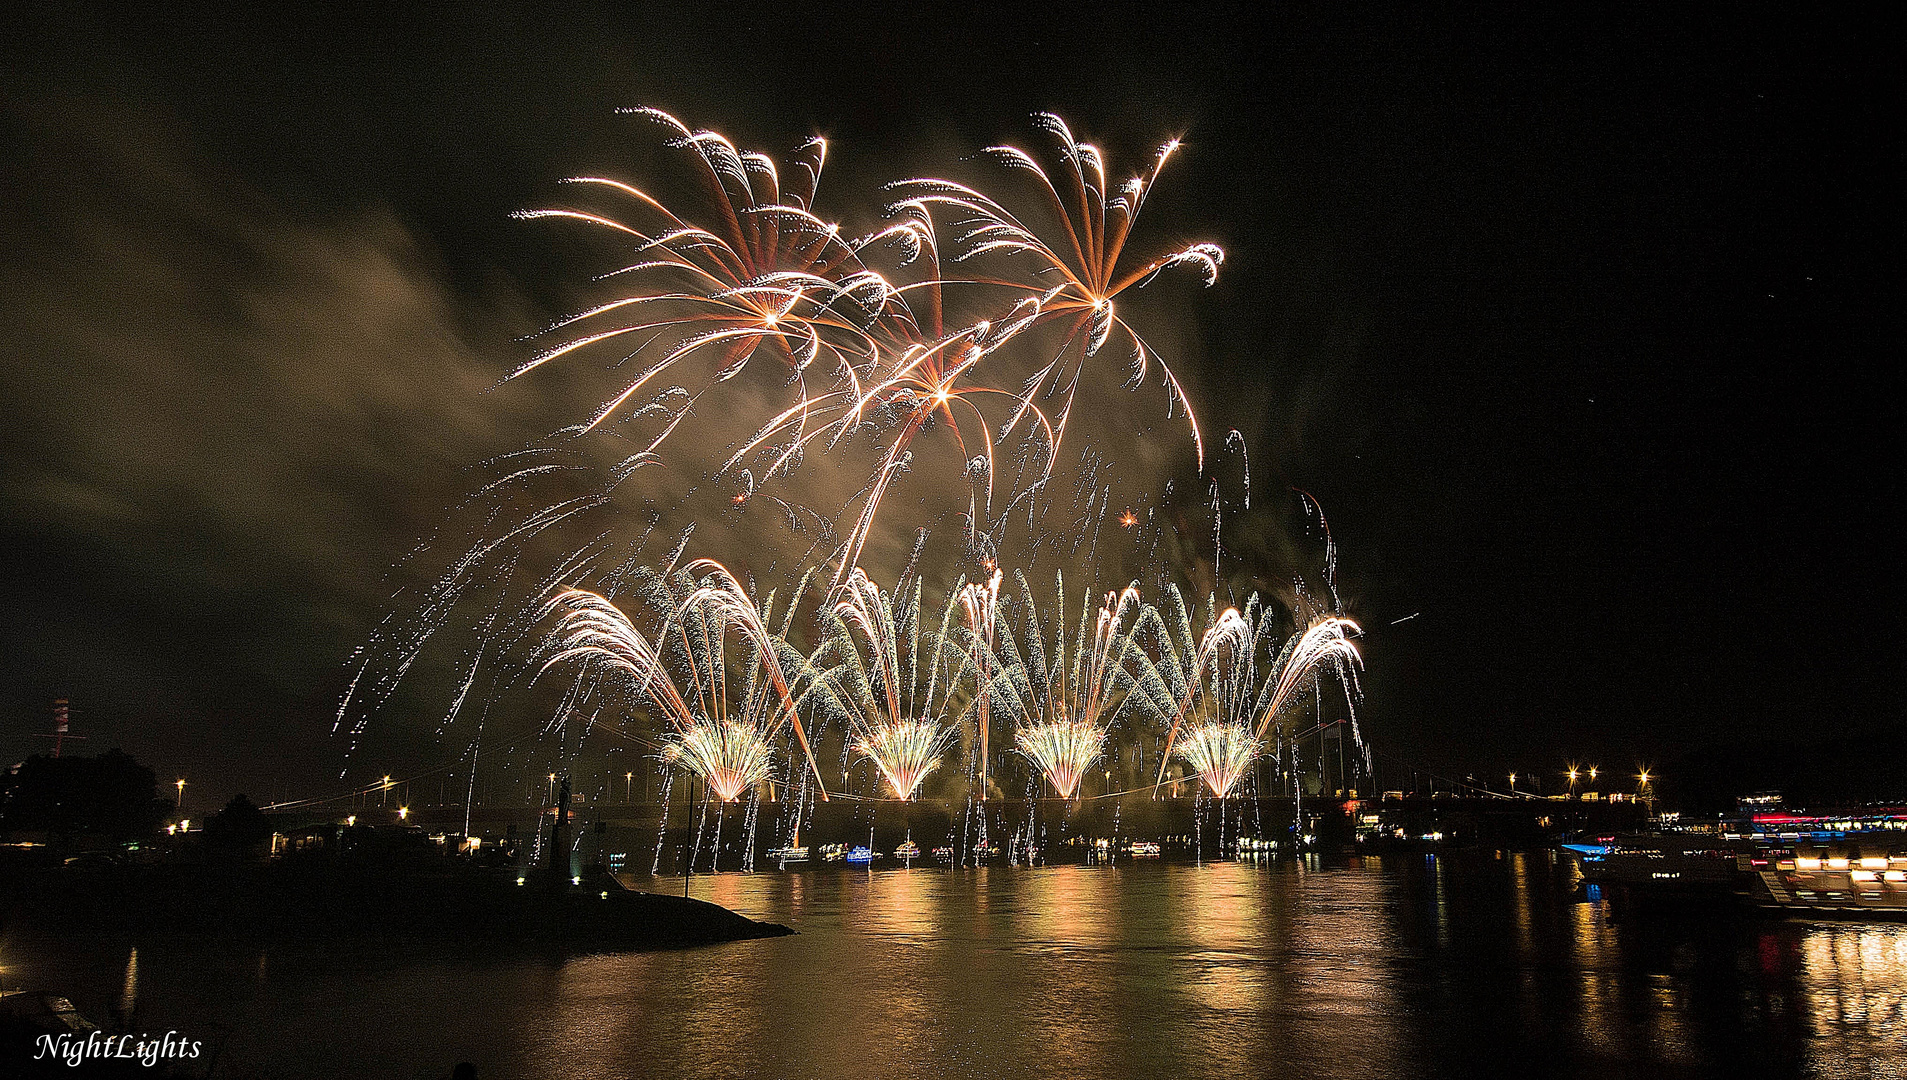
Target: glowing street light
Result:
[[1512, 783], [628, 787], [403, 813], [180, 784], [385, 793], [552, 788]]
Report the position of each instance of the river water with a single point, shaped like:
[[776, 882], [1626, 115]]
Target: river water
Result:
[[1409, 966]]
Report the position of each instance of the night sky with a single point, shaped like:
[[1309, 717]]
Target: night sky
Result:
[[1578, 330]]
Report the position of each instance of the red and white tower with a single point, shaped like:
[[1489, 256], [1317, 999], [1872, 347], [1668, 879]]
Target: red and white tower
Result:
[[62, 727]]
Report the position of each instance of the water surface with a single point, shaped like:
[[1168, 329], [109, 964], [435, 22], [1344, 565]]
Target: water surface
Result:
[[1399, 967]]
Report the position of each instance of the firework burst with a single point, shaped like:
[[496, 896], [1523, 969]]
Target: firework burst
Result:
[[721, 729], [904, 750], [892, 679], [1221, 753], [1064, 691], [1222, 710], [1086, 255], [728, 756], [1062, 750], [755, 272], [857, 327]]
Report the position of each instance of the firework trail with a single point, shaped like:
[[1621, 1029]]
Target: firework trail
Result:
[[1325, 644], [980, 605]]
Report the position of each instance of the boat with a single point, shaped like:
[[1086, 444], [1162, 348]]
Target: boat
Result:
[[859, 855], [907, 850], [789, 854], [1662, 861], [833, 852], [1845, 863], [944, 853], [1145, 849]]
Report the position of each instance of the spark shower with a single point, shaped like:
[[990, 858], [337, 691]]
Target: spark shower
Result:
[[793, 538]]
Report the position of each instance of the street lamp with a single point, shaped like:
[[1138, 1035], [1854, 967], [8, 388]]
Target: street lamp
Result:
[[384, 793], [180, 805], [552, 789], [403, 813], [629, 787], [1572, 780], [1513, 783]]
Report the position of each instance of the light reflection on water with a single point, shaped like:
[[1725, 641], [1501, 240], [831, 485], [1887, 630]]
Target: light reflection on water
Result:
[[1448, 966]]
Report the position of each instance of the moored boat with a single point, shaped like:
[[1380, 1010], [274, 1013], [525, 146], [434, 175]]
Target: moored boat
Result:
[[1841, 863]]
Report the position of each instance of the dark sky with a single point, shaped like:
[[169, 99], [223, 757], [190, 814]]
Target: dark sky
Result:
[[1577, 327]]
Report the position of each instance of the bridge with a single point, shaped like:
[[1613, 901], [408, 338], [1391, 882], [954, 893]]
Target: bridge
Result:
[[1062, 828]]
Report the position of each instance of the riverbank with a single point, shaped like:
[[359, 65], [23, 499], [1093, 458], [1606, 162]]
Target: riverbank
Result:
[[275, 900]]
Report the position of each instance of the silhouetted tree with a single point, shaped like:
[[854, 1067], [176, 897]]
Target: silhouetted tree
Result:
[[236, 829], [110, 796]]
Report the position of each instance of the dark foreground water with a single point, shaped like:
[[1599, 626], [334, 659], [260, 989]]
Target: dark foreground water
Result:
[[1458, 966]]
